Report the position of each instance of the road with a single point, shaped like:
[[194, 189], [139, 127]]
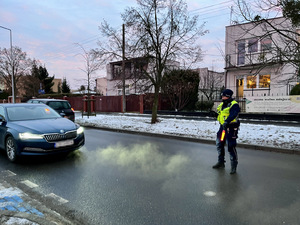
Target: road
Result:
[[128, 179]]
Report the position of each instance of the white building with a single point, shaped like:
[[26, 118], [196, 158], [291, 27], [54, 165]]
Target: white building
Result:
[[254, 64], [101, 86], [135, 80], [211, 84]]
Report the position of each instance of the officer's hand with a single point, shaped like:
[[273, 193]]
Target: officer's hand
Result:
[[225, 125]]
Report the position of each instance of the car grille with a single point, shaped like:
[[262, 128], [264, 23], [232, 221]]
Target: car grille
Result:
[[60, 137]]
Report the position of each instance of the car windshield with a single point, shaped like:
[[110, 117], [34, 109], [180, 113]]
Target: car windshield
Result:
[[59, 105], [31, 112]]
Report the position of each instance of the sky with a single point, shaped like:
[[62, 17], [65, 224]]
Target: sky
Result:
[[49, 30], [269, 135]]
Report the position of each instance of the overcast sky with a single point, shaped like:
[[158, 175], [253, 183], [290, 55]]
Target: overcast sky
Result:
[[48, 30]]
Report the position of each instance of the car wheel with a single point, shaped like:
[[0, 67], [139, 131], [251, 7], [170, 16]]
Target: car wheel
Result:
[[11, 149]]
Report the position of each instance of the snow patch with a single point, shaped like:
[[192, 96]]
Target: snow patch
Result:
[[255, 134]]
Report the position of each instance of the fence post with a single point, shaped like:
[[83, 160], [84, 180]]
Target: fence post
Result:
[[141, 104], [84, 104], [122, 108], [93, 104], [159, 102]]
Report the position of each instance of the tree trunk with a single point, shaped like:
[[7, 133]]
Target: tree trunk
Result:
[[155, 106]]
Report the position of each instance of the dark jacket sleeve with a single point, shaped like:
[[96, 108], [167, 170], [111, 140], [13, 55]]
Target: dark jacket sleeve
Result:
[[234, 111]]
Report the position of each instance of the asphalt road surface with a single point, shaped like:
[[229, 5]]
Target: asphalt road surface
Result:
[[129, 179]]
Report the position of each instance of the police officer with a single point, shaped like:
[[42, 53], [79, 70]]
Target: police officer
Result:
[[228, 112]]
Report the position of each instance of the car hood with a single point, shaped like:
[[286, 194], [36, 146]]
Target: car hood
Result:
[[44, 126]]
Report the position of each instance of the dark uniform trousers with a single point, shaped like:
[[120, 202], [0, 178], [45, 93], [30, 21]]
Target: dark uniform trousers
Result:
[[230, 138]]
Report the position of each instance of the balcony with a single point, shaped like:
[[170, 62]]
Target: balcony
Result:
[[252, 59]]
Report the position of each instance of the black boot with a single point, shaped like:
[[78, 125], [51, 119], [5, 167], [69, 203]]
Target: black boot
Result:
[[233, 167], [219, 165]]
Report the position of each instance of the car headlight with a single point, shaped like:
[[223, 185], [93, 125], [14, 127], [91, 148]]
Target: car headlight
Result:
[[28, 135], [80, 130]]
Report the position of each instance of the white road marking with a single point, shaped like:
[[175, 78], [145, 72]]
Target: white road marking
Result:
[[58, 198], [9, 173], [29, 184], [210, 193]]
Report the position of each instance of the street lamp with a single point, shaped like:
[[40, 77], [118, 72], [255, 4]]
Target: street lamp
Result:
[[12, 76]]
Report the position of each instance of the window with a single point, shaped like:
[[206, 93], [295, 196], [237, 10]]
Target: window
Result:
[[264, 81], [117, 71], [253, 45], [241, 53], [251, 81], [59, 105], [120, 90], [266, 44], [2, 111]]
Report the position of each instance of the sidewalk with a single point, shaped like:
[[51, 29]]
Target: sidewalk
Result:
[[21, 204]]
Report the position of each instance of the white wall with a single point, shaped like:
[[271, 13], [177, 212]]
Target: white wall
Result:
[[282, 75]]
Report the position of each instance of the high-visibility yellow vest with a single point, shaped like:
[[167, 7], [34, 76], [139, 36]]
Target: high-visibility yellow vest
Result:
[[223, 114]]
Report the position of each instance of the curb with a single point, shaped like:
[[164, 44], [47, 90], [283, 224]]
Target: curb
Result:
[[34, 207]]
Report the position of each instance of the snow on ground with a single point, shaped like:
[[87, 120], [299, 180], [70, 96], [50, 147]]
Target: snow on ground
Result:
[[19, 221], [284, 137], [8, 192]]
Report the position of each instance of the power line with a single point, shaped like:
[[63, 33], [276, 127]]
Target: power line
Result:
[[211, 9], [215, 10], [73, 48], [223, 14], [221, 3]]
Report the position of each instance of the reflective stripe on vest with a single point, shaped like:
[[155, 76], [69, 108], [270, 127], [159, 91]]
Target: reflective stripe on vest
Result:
[[223, 114]]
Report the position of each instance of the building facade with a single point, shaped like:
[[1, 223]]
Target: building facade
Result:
[[136, 82], [101, 86], [211, 84], [56, 85], [255, 64]]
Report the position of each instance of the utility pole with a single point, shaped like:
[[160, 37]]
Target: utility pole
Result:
[[12, 66], [231, 11], [123, 69]]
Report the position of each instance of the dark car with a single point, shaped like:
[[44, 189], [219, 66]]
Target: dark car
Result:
[[36, 129], [63, 107]]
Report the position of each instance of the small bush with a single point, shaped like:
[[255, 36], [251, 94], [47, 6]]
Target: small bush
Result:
[[4, 95], [204, 105], [295, 90]]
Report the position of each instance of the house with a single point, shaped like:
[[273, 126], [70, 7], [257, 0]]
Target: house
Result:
[[135, 80], [56, 85], [255, 65], [30, 87], [211, 84], [101, 86]]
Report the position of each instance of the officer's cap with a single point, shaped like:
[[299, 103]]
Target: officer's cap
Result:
[[228, 93]]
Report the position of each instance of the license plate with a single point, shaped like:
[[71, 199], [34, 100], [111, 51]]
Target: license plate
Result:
[[64, 143]]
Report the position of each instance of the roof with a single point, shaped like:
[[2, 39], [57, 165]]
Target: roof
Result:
[[49, 99], [8, 105], [251, 22]]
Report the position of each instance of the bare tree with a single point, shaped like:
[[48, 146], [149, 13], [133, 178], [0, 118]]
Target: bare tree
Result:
[[160, 31], [13, 63], [92, 64], [31, 82], [210, 83]]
